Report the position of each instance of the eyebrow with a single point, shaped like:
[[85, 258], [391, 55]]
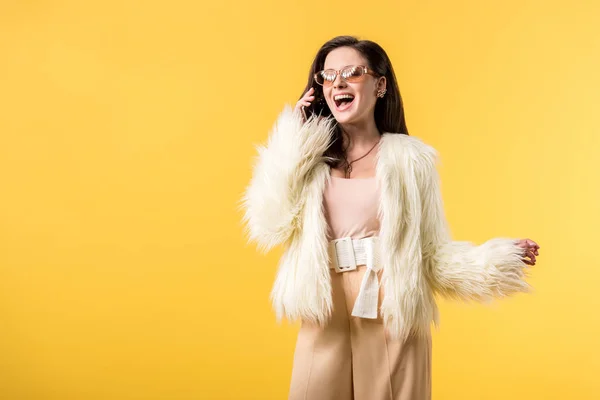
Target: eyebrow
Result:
[[349, 65]]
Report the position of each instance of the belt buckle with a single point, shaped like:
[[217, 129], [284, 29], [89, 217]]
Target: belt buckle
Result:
[[349, 250]]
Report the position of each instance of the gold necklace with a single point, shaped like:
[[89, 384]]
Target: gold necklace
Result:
[[349, 164]]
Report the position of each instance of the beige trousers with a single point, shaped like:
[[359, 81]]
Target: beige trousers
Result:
[[352, 359]]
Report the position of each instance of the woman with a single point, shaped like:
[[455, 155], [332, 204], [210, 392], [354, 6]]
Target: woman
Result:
[[356, 202]]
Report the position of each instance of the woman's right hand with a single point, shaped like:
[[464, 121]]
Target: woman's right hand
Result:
[[305, 101]]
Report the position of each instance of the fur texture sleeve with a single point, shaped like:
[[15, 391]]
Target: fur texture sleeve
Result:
[[461, 270], [273, 199]]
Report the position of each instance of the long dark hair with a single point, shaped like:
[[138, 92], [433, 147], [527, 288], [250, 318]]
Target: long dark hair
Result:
[[389, 111]]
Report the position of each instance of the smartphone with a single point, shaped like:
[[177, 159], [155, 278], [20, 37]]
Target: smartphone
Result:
[[317, 107]]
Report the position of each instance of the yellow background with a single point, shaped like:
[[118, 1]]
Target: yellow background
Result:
[[127, 132]]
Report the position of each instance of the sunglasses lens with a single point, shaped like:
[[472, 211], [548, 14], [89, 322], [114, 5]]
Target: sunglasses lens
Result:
[[352, 74], [325, 77]]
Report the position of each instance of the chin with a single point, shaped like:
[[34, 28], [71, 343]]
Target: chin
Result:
[[341, 119], [352, 115]]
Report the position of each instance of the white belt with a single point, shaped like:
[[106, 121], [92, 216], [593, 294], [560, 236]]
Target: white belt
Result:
[[345, 254]]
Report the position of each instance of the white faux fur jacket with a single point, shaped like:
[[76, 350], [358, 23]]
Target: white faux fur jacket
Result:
[[283, 204]]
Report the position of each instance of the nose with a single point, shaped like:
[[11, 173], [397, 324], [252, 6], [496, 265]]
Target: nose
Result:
[[339, 82]]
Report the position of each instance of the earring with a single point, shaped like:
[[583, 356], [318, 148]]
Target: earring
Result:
[[381, 93]]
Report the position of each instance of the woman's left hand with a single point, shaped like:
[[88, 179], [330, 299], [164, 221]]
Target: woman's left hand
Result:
[[531, 250]]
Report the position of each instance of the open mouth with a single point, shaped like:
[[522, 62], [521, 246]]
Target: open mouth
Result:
[[343, 101]]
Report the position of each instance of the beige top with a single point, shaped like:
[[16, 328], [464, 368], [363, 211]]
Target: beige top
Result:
[[351, 207]]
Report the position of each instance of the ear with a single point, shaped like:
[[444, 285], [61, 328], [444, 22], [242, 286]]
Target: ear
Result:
[[382, 83]]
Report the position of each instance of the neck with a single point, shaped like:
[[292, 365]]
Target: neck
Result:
[[360, 136]]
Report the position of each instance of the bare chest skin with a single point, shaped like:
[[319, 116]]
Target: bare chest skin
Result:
[[364, 168]]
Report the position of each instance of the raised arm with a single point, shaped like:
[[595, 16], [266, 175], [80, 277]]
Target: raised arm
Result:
[[273, 199]]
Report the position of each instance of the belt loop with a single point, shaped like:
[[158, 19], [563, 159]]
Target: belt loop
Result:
[[370, 251]]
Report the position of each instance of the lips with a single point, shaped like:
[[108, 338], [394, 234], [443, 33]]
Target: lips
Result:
[[343, 101]]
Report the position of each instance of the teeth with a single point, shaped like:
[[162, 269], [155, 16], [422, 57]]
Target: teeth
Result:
[[343, 96]]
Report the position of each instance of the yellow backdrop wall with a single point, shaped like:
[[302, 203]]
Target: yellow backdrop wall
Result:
[[126, 133]]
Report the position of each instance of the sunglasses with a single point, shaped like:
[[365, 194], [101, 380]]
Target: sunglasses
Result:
[[351, 73]]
